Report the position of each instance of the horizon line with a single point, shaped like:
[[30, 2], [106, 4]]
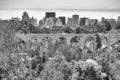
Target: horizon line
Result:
[[61, 9]]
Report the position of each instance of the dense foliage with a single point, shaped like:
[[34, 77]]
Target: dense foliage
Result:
[[55, 59]]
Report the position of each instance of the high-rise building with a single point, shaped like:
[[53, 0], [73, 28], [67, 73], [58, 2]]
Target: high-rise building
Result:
[[49, 22], [75, 20], [59, 22], [25, 16], [118, 19], [41, 24], [50, 15], [63, 19], [25, 19], [84, 21], [118, 23], [70, 22], [54, 20], [33, 21], [103, 19]]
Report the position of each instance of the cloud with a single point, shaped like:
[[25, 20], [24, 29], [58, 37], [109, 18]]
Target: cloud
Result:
[[61, 4]]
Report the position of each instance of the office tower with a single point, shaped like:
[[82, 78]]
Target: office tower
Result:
[[25, 19], [118, 23], [84, 21], [70, 22], [49, 19], [49, 22], [25, 16], [41, 24], [118, 19], [75, 20], [50, 15], [63, 19], [54, 20], [59, 23], [33, 21]]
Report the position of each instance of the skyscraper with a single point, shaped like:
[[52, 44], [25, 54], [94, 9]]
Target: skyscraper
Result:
[[25, 16], [118, 19], [41, 23], [118, 23], [50, 15], [70, 22], [63, 19], [49, 19], [33, 21], [75, 20], [58, 22], [84, 21], [49, 22]]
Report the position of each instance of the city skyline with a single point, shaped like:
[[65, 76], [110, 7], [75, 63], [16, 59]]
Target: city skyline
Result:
[[39, 14]]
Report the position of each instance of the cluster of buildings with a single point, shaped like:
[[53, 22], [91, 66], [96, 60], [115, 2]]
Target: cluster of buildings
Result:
[[26, 19], [75, 21], [50, 21]]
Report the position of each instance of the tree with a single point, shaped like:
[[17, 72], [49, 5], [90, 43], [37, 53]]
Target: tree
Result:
[[68, 30], [16, 24], [98, 42], [78, 30], [100, 28], [7, 48], [56, 69], [59, 42]]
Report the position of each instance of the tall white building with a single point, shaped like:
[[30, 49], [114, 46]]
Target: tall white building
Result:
[[58, 23], [49, 22]]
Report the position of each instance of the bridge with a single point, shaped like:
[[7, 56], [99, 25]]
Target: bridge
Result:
[[111, 37]]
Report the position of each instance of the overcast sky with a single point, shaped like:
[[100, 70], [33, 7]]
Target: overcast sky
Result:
[[59, 4]]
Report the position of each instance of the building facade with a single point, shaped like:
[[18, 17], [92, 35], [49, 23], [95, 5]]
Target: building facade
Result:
[[84, 21], [63, 19], [41, 24], [50, 15], [33, 21], [25, 16], [58, 23], [75, 20], [70, 22], [49, 22]]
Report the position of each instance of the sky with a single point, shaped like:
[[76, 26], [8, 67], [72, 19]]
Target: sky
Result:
[[59, 4], [37, 8]]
